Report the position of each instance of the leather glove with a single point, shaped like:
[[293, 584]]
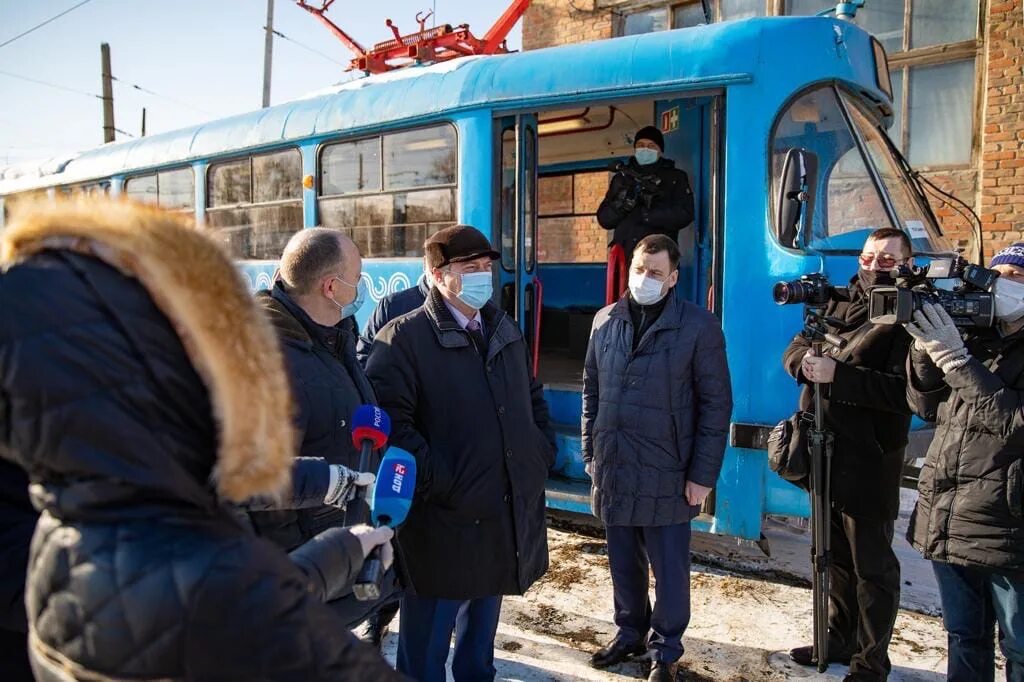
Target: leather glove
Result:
[[370, 537], [625, 201], [344, 485], [934, 332]]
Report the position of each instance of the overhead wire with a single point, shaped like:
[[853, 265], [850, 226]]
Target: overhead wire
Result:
[[50, 85], [40, 25], [152, 93], [305, 47]]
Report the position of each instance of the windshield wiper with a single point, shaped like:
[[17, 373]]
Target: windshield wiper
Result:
[[918, 183]]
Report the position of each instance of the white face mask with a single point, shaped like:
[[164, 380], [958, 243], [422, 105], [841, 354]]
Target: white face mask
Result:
[[645, 290], [1009, 296]]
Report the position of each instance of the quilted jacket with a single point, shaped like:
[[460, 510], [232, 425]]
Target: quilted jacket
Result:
[[656, 417], [142, 390]]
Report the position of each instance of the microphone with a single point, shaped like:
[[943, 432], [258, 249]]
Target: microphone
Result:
[[392, 498], [371, 427]]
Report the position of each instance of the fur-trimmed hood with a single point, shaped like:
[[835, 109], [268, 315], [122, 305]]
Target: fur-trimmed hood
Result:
[[195, 285]]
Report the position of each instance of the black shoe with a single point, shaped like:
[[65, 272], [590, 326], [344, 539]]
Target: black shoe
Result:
[[616, 652], [804, 655], [662, 672], [377, 626]]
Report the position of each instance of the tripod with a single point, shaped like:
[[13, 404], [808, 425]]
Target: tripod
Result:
[[820, 443]]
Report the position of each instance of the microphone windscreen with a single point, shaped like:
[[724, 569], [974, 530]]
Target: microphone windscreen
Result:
[[370, 423], [394, 489]]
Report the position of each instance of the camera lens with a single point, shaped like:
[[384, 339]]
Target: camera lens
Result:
[[782, 293]]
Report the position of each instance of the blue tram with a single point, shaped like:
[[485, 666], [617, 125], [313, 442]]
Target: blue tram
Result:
[[520, 145]]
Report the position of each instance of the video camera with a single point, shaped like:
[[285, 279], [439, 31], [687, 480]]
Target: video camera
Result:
[[645, 186], [970, 303]]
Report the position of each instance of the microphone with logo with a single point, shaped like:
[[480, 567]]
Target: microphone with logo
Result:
[[390, 504], [371, 427]]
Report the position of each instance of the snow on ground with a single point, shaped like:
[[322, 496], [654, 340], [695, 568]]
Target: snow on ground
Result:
[[743, 621]]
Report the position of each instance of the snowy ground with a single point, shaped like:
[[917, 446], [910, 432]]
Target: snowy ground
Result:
[[748, 611]]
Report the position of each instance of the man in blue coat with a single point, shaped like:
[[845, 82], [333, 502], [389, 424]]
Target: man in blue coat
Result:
[[656, 408]]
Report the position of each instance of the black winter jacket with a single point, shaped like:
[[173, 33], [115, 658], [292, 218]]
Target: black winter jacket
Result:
[[865, 407], [390, 307], [17, 523], [971, 506], [328, 385], [137, 568], [655, 417], [481, 434], [669, 210]]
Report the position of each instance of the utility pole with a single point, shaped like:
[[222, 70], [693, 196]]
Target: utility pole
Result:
[[268, 53], [143, 121], [108, 95]]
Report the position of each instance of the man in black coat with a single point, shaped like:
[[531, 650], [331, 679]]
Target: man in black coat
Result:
[[656, 407], [17, 523], [649, 195], [454, 376], [311, 307], [388, 308], [158, 401], [969, 518], [866, 408]]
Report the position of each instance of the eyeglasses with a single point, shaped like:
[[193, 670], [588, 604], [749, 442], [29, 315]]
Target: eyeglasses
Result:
[[884, 260]]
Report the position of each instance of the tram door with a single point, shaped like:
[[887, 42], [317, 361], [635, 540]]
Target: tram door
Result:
[[516, 222]]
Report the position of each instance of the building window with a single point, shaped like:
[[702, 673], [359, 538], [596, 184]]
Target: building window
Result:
[[932, 62], [174, 190], [568, 231], [255, 203], [390, 192], [647, 21]]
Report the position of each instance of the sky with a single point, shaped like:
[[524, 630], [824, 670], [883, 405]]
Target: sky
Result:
[[202, 58]]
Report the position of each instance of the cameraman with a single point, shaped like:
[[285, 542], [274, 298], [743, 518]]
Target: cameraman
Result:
[[865, 408], [969, 519], [648, 195]]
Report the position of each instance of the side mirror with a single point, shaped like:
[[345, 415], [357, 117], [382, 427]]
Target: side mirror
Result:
[[795, 200]]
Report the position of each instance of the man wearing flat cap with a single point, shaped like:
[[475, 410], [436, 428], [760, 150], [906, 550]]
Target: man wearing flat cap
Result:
[[454, 375], [647, 195]]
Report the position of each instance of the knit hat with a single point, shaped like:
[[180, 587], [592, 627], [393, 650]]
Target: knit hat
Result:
[[1011, 255], [650, 133], [456, 244]]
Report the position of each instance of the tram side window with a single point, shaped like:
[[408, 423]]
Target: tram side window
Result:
[[389, 193], [89, 189], [255, 203], [174, 189], [568, 228]]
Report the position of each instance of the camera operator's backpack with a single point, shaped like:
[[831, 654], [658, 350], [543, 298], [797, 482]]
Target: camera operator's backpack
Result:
[[789, 451]]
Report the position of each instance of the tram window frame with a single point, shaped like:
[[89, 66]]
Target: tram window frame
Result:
[[573, 214], [837, 167], [292, 208], [87, 188], [186, 207], [382, 237]]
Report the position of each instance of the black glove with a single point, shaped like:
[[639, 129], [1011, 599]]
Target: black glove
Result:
[[625, 200]]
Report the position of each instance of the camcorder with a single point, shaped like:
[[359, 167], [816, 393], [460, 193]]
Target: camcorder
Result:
[[643, 188], [970, 303]]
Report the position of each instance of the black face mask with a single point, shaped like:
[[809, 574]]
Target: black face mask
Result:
[[873, 278]]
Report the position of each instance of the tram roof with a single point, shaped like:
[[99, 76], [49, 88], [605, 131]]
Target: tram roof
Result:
[[704, 56]]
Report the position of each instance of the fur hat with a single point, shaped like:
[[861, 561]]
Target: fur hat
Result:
[[456, 244]]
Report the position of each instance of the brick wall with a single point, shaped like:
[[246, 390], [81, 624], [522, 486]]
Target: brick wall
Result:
[[574, 235], [1001, 195], [994, 186], [559, 22]]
